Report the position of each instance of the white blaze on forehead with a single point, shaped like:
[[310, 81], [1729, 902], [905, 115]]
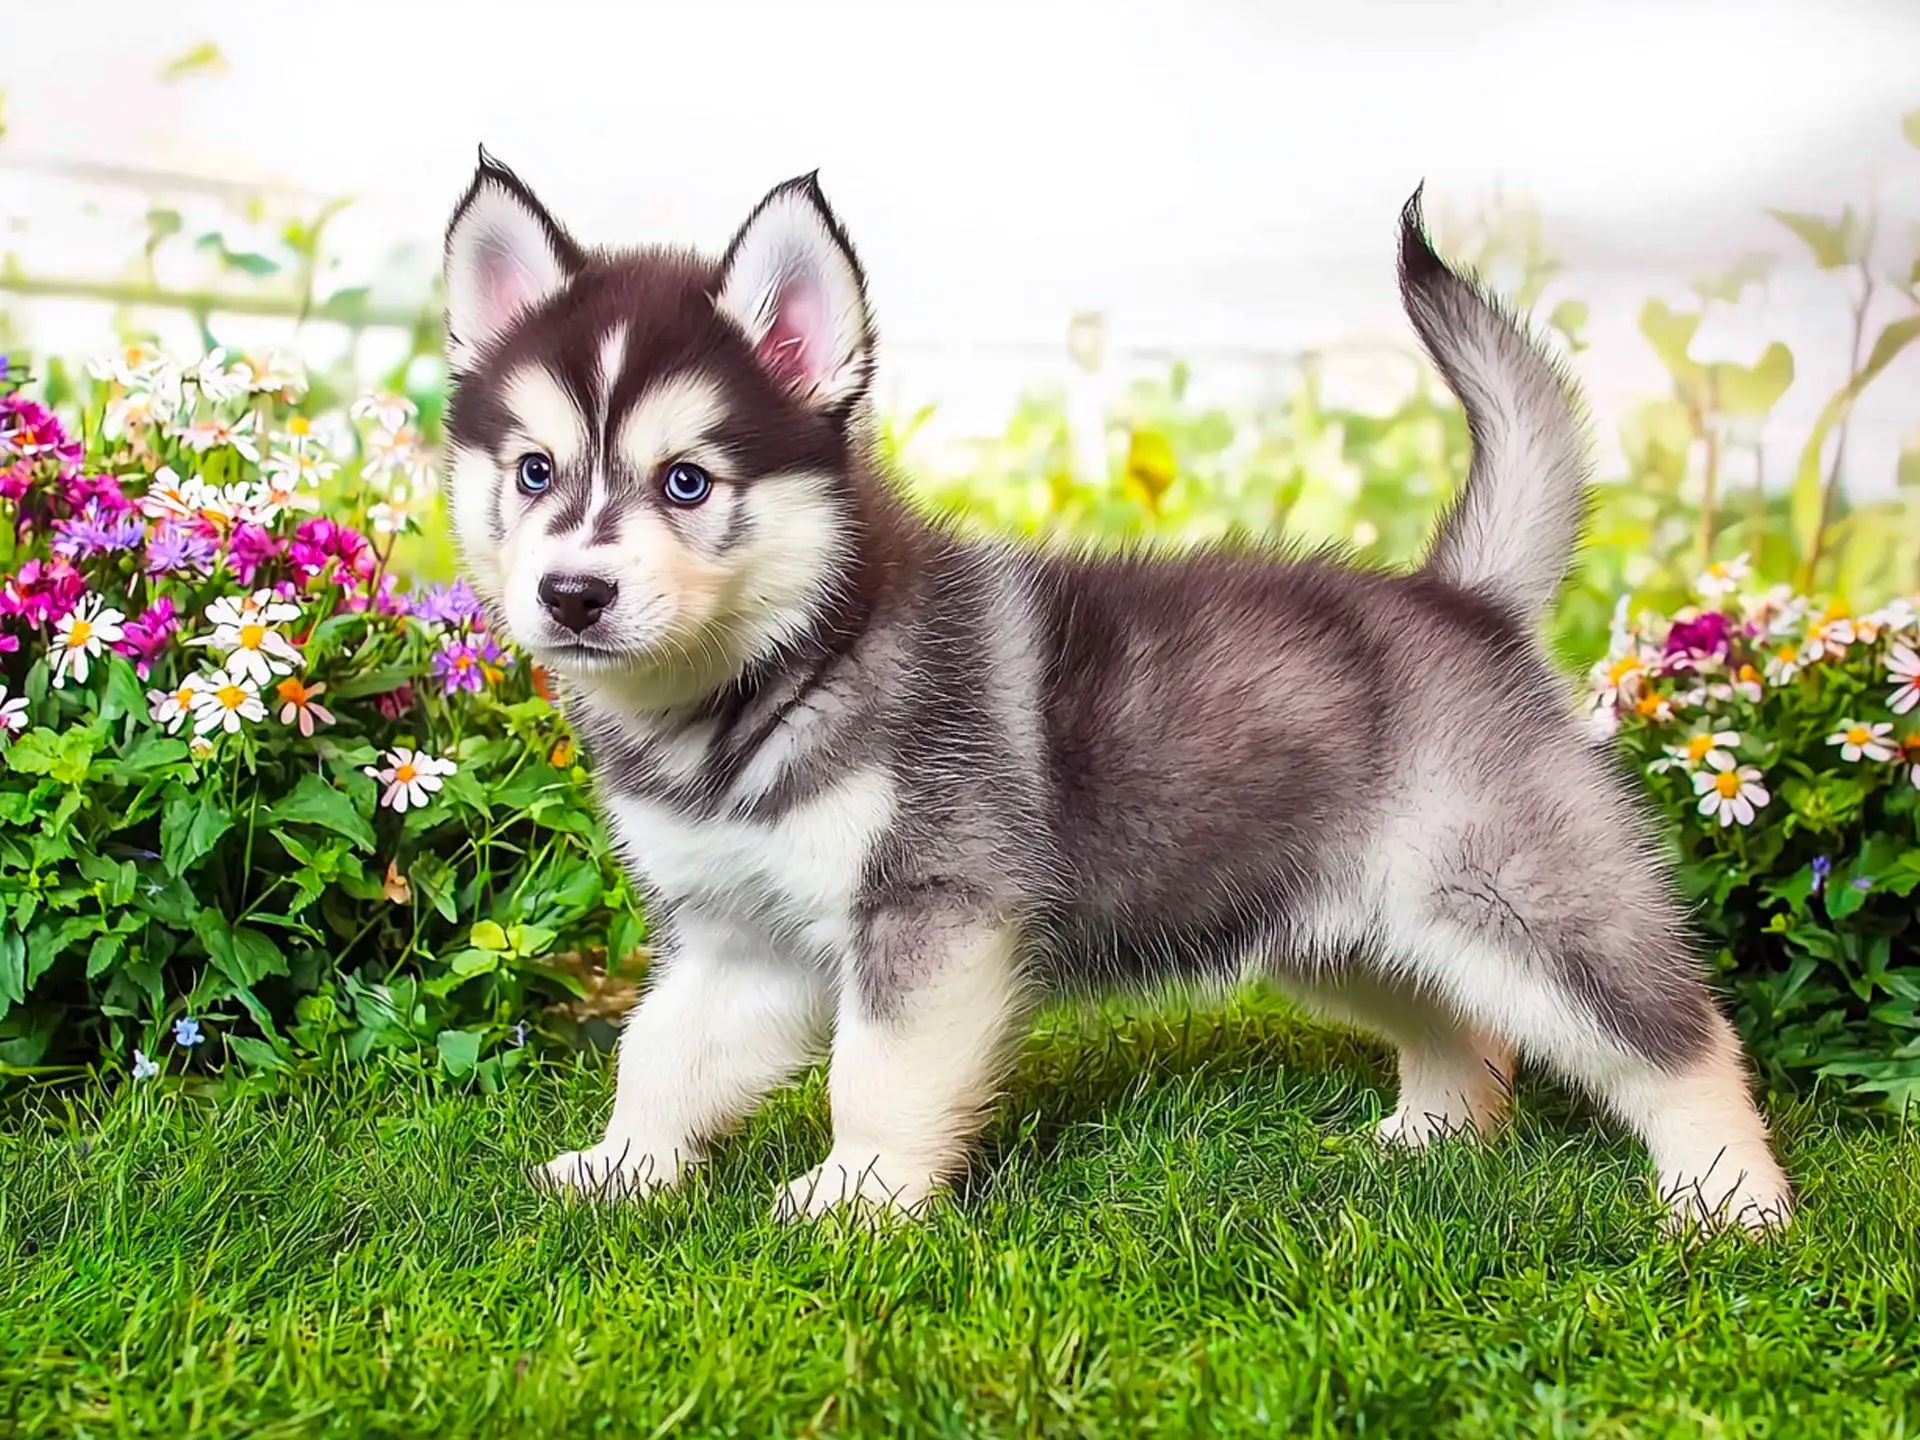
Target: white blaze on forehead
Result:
[[669, 422], [613, 354], [546, 414]]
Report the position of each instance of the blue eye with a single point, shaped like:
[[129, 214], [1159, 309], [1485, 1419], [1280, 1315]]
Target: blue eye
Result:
[[687, 484], [536, 473]]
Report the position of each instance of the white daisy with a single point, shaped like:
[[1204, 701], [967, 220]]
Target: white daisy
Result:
[[79, 636], [274, 373], [410, 778], [1829, 638], [1722, 578], [388, 411], [1856, 740], [1729, 792], [173, 708], [1903, 666], [13, 713], [213, 434], [169, 497], [1702, 749], [227, 700], [246, 635], [218, 383]]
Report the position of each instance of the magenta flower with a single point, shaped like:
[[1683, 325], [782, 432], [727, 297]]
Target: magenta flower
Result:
[[144, 639], [322, 546], [102, 491], [33, 432], [1704, 636], [15, 480], [43, 591], [251, 548], [394, 703]]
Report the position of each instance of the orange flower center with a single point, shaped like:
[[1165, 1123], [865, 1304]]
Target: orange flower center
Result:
[[1858, 735], [1748, 673], [183, 697], [1727, 783], [1698, 747], [291, 691], [1649, 705], [404, 774]]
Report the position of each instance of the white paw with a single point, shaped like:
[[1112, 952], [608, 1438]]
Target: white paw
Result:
[[869, 1185], [617, 1170], [1750, 1196], [1417, 1122]]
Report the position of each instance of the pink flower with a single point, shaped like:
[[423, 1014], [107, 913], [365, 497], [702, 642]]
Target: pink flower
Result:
[[42, 592], [101, 491], [33, 432], [251, 548], [394, 703], [322, 547], [144, 639], [1703, 637]]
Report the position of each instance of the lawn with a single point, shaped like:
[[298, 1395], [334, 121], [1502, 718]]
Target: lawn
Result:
[[1179, 1229]]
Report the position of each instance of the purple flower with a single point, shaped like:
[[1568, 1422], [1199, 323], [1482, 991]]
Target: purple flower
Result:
[[97, 532], [250, 549], [1862, 882], [1705, 634], [454, 604], [1822, 867], [101, 490], [177, 547], [457, 667], [492, 654]]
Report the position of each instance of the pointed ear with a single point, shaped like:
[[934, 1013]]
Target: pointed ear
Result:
[[505, 254], [792, 284]]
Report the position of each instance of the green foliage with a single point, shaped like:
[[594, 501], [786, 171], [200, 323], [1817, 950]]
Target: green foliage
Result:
[[1779, 741], [275, 793]]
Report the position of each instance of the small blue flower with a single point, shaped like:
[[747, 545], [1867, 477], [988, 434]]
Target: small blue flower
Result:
[[143, 1068], [1822, 867], [1863, 882], [187, 1032], [519, 1033]]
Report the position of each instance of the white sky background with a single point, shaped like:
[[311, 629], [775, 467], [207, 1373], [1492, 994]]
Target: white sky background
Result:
[[1224, 173]]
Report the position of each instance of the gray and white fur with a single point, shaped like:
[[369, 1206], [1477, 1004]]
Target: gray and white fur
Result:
[[884, 787]]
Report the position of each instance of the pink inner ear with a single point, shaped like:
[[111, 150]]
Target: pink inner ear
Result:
[[795, 348], [505, 286]]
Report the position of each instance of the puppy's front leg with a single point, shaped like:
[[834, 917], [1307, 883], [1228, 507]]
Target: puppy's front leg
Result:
[[722, 1023], [928, 1009]]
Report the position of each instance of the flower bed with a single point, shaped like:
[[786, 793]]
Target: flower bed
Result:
[[260, 800], [1778, 734]]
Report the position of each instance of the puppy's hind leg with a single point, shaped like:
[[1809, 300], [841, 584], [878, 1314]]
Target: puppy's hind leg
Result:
[[1455, 1078]]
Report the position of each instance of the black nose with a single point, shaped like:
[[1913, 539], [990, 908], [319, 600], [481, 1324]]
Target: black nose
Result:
[[576, 600]]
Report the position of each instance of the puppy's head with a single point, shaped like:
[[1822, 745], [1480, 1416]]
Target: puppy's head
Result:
[[650, 451]]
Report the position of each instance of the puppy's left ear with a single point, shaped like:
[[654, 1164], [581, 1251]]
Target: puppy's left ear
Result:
[[792, 284], [505, 255]]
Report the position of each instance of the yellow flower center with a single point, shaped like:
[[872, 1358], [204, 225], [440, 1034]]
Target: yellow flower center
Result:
[[1622, 668], [251, 636], [1748, 673], [1858, 735], [1649, 705], [81, 632], [1836, 611], [1698, 747], [183, 697], [1727, 783], [231, 697], [298, 425], [404, 774]]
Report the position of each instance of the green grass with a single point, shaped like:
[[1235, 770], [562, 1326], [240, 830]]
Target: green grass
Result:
[[1178, 1229]]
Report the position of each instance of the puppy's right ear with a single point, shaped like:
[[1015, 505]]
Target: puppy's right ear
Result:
[[505, 255]]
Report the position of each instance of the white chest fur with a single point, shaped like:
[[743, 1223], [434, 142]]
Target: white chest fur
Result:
[[794, 879]]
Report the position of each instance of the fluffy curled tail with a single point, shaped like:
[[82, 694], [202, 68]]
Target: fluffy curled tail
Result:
[[1512, 531]]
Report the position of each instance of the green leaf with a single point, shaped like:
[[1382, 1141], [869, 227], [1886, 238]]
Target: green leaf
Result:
[[374, 682], [190, 827], [1753, 389], [1809, 496], [149, 753], [1910, 127], [459, 1051], [487, 935], [257, 1053], [1832, 242], [124, 695], [1671, 332], [63, 757], [13, 969], [242, 954], [530, 940], [1569, 317], [316, 802], [468, 963], [106, 950]]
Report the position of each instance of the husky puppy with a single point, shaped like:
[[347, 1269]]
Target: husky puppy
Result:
[[885, 786]]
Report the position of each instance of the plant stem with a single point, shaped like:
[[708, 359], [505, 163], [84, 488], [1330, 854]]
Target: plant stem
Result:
[[1838, 468]]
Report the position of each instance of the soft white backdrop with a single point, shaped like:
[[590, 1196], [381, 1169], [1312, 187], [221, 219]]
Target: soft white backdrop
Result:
[[1222, 174]]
